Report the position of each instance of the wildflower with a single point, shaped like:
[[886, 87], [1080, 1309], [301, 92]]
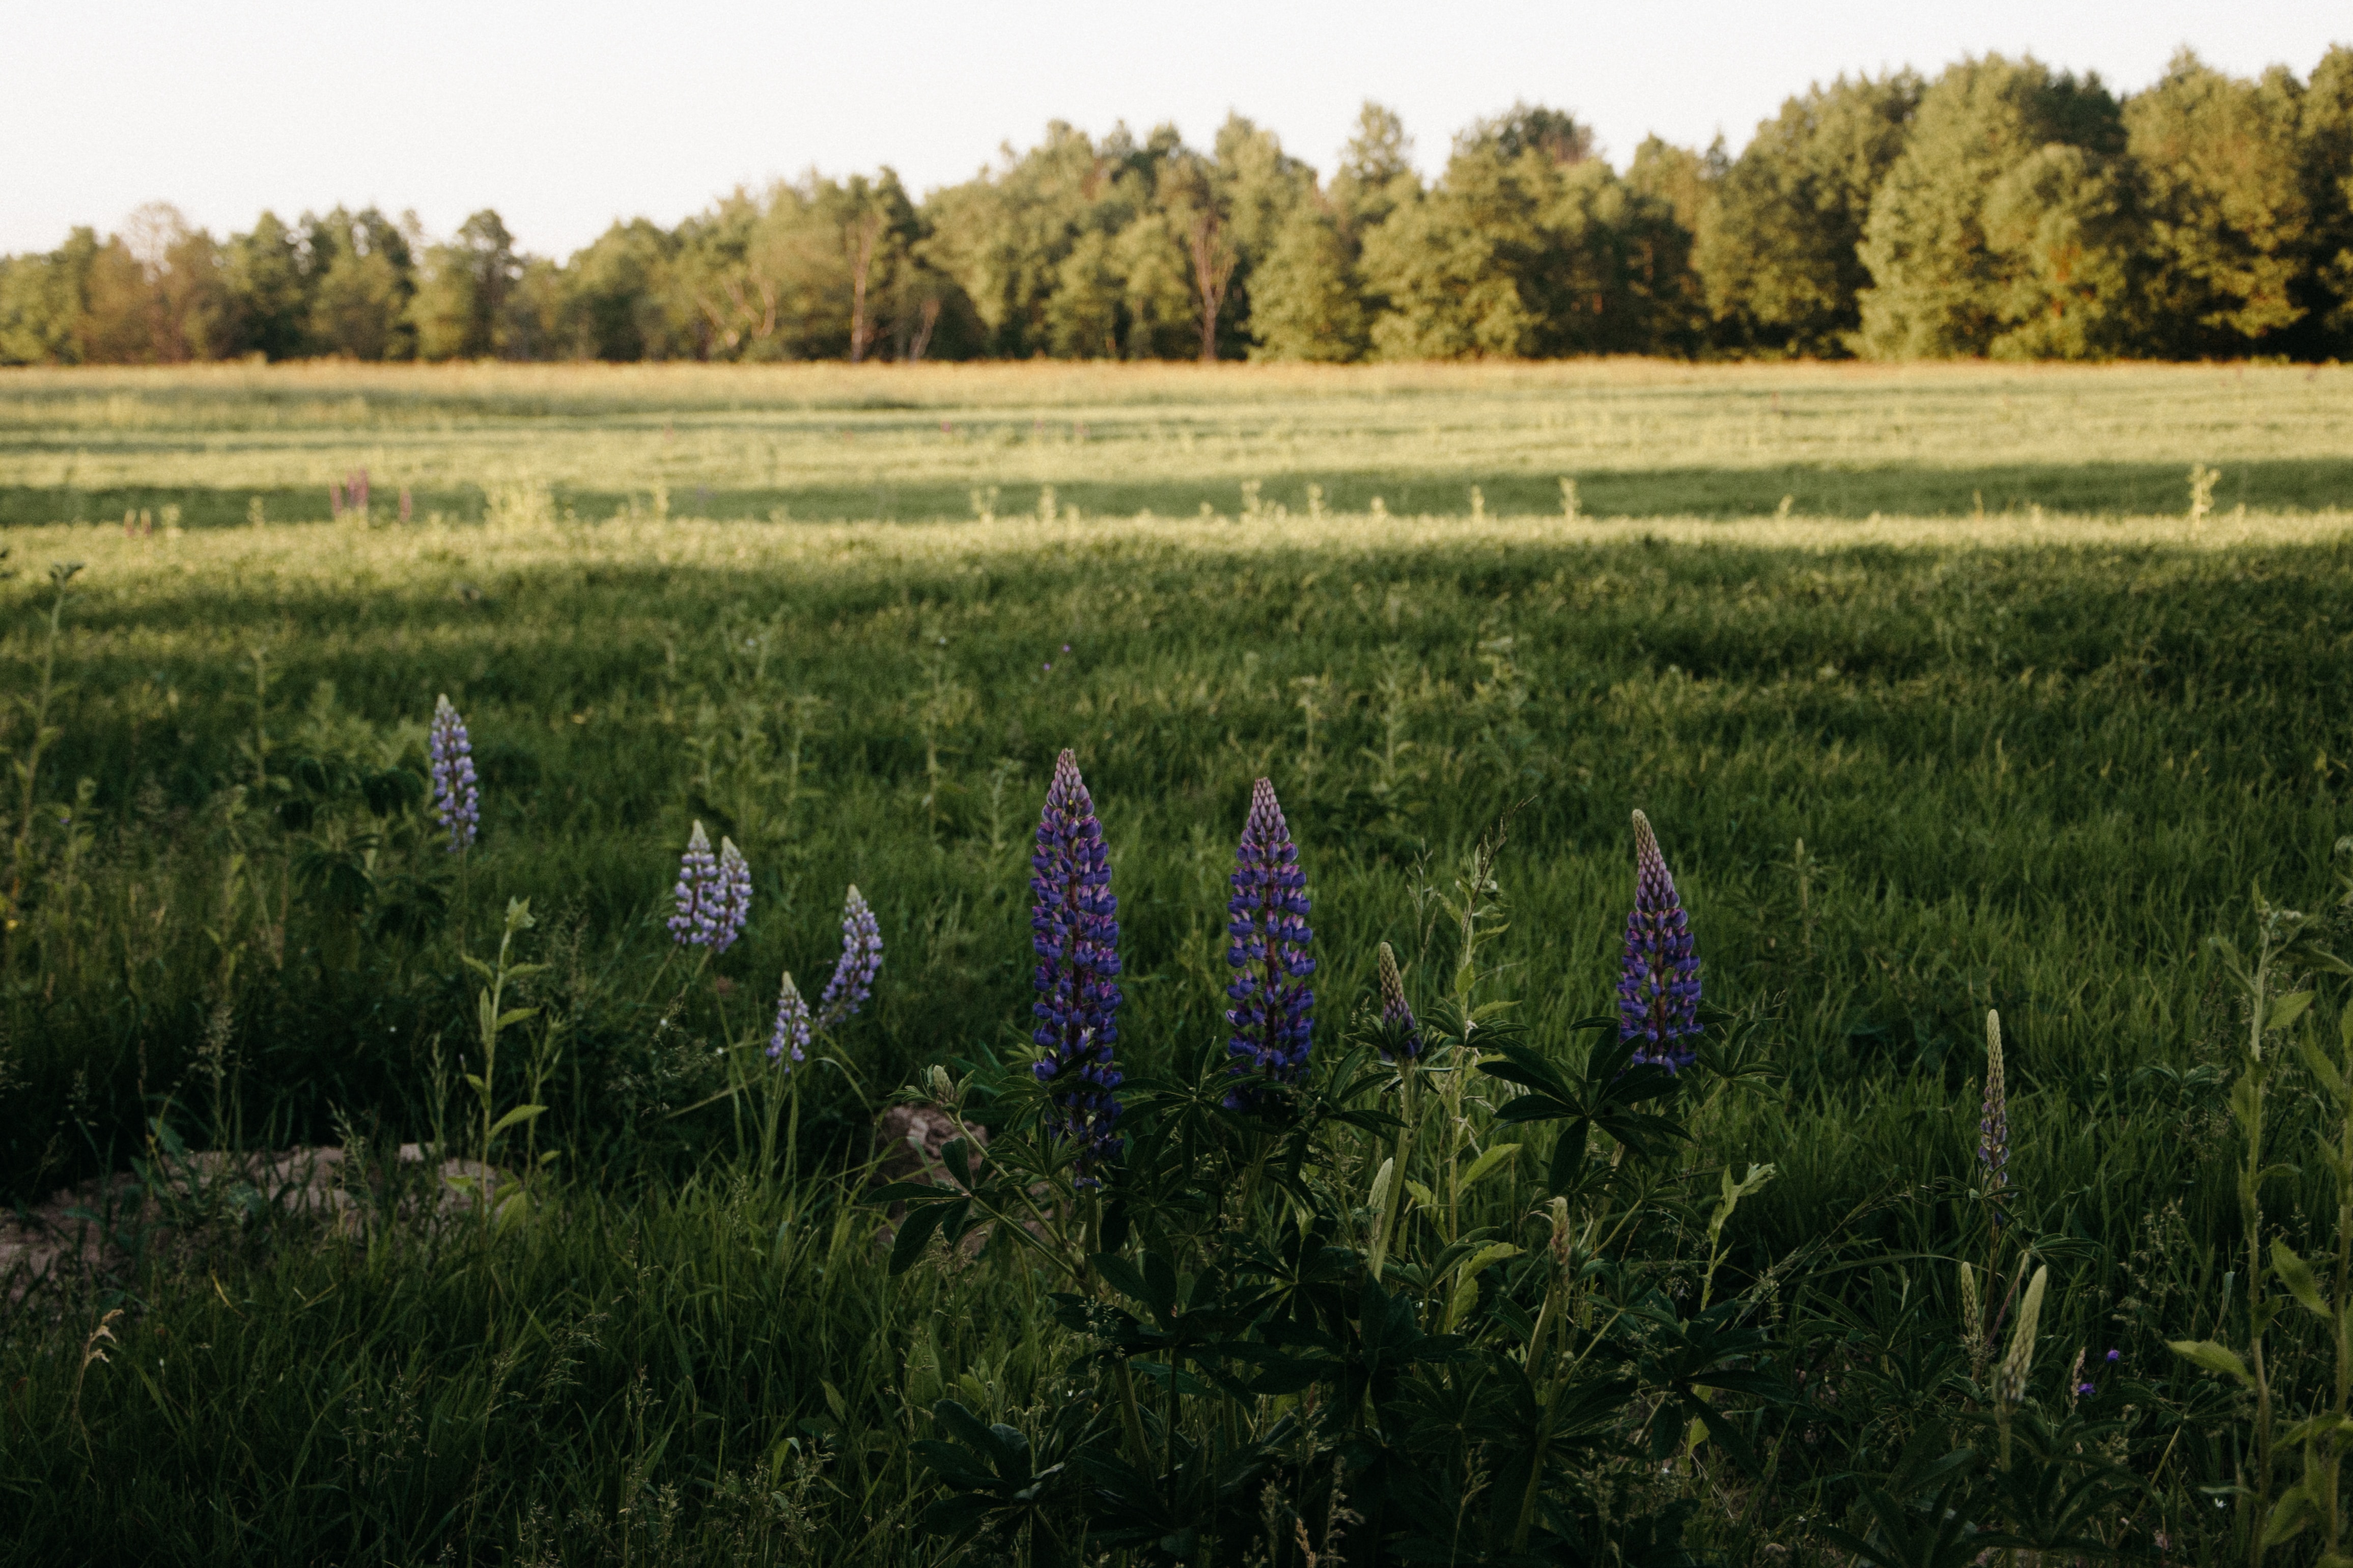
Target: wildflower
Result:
[[1658, 989], [1399, 1027], [1075, 920], [1993, 1122], [788, 1042], [2085, 1390], [713, 894], [861, 957], [456, 802], [2114, 1356], [1273, 1010]]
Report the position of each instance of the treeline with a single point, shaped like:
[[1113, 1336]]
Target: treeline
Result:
[[2003, 209]]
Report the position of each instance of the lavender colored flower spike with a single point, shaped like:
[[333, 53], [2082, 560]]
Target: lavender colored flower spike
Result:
[[1993, 1121], [730, 899], [1399, 1026], [1074, 921], [788, 1042], [456, 802], [1658, 989], [861, 957], [697, 894], [1273, 1010]]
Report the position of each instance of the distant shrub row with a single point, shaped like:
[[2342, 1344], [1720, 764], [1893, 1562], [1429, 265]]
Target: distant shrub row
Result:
[[2002, 209]]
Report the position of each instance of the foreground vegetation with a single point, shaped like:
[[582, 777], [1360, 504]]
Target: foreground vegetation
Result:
[[1905, 772]]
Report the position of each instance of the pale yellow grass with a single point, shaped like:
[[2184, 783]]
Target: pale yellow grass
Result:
[[384, 559], [630, 428]]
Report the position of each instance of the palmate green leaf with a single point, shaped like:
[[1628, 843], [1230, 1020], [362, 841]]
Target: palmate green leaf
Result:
[[2213, 1357], [915, 1234]]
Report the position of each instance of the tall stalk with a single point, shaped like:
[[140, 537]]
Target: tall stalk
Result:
[[28, 766]]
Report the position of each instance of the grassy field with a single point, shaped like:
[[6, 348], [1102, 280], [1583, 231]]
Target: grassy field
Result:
[[896, 443], [1908, 764]]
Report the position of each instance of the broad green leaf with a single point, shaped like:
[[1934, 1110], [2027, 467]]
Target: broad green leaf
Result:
[[1488, 1164], [520, 1113], [2288, 1009], [2297, 1275], [1422, 1195], [2212, 1357]]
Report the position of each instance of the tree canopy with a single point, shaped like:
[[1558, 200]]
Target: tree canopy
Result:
[[2003, 208]]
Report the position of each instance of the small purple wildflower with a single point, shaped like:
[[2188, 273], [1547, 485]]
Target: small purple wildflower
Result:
[[456, 802], [788, 1042], [1075, 919], [861, 958], [1399, 1026], [1273, 1010], [713, 894], [2086, 1389], [2114, 1356], [1658, 989]]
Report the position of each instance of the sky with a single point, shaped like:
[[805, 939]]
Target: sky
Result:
[[564, 116]]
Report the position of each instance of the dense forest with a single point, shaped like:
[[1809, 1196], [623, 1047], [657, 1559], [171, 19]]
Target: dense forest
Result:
[[2002, 209]]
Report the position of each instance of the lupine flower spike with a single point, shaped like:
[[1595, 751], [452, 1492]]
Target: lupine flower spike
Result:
[[1399, 1027], [861, 958], [1074, 921], [1273, 1009], [1658, 989], [456, 802], [713, 894], [788, 1042], [1993, 1121]]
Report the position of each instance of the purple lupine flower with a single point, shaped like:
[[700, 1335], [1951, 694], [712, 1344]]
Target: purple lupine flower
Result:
[[1273, 1009], [696, 921], [788, 1042], [732, 901], [1658, 989], [1399, 1027], [861, 956], [1075, 923], [1993, 1122], [456, 802]]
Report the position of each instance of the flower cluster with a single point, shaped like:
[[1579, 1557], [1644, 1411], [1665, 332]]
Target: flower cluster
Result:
[[456, 802], [1075, 922], [1273, 1009], [788, 1041], [861, 958], [1658, 989], [1993, 1118], [713, 894], [1398, 1027]]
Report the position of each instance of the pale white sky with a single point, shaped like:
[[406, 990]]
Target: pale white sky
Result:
[[564, 114]]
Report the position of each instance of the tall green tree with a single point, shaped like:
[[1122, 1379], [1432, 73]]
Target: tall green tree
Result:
[[1376, 176], [2325, 158], [1939, 286], [1777, 245], [362, 279], [2230, 215], [267, 288], [622, 300], [1307, 302], [461, 297]]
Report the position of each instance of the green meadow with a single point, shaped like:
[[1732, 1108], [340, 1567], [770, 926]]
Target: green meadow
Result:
[[1942, 695]]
